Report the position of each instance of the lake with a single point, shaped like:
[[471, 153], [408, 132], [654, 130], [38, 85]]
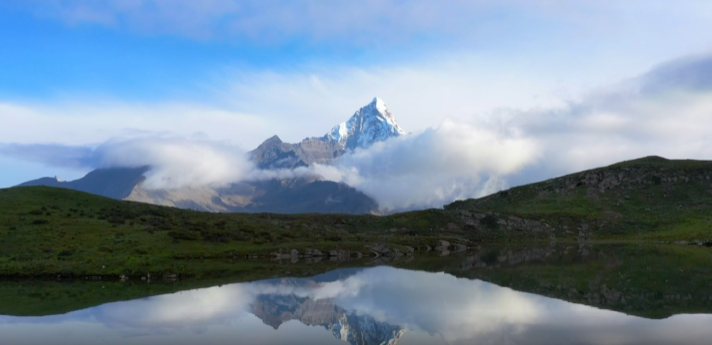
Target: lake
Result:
[[585, 295]]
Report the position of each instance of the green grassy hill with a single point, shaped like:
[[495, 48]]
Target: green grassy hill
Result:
[[646, 199], [48, 231]]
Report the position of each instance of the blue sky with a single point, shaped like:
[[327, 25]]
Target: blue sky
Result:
[[77, 74], [74, 48]]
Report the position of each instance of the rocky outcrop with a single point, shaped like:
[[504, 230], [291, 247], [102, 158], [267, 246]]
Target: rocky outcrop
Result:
[[273, 153], [492, 223], [622, 177]]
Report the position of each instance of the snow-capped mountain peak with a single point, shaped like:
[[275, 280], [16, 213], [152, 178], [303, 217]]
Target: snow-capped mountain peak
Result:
[[368, 125]]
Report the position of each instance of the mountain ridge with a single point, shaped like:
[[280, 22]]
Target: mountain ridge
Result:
[[122, 181], [371, 123]]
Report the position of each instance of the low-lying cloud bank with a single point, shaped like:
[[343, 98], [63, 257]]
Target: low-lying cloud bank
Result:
[[666, 112], [437, 166], [425, 169], [174, 162]]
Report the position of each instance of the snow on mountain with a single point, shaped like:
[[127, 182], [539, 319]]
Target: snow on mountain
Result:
[[368, 125], [364, 329]]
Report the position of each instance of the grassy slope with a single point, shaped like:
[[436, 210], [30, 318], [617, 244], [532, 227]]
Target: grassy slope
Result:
[[646, 199], [52, 231]]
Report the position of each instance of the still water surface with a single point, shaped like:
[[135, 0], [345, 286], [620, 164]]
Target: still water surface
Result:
[[379, 305]]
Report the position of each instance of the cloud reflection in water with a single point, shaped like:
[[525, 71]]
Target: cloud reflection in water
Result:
[[371, 306]]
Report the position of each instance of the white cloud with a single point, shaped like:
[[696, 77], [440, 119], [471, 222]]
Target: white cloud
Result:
[[175, 311], [426, 169], [93, 122], [605, 128], [178, 163], [421, 94], [460, 311], [664, 112], [435, 167]]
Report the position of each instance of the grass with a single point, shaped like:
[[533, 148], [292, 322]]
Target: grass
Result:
[[647, 199], [50, 232]]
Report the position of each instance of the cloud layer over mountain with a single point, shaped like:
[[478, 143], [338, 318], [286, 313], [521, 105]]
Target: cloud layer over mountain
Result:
[[175, 162], [453, 161], [666, 112]]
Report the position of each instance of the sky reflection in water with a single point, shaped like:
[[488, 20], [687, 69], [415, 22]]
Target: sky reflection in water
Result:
[[369, 306]]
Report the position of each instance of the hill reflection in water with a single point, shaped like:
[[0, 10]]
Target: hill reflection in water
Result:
[[380, 305]]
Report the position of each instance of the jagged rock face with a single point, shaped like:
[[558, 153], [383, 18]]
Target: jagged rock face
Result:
[[313, 150], [276, 154], [368, 125]]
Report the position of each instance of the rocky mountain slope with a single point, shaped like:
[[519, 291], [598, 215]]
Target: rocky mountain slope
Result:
[[276, 154], [370, 124], [302, 195]]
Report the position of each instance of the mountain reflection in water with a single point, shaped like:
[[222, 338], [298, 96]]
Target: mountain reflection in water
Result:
[[380, 305]]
